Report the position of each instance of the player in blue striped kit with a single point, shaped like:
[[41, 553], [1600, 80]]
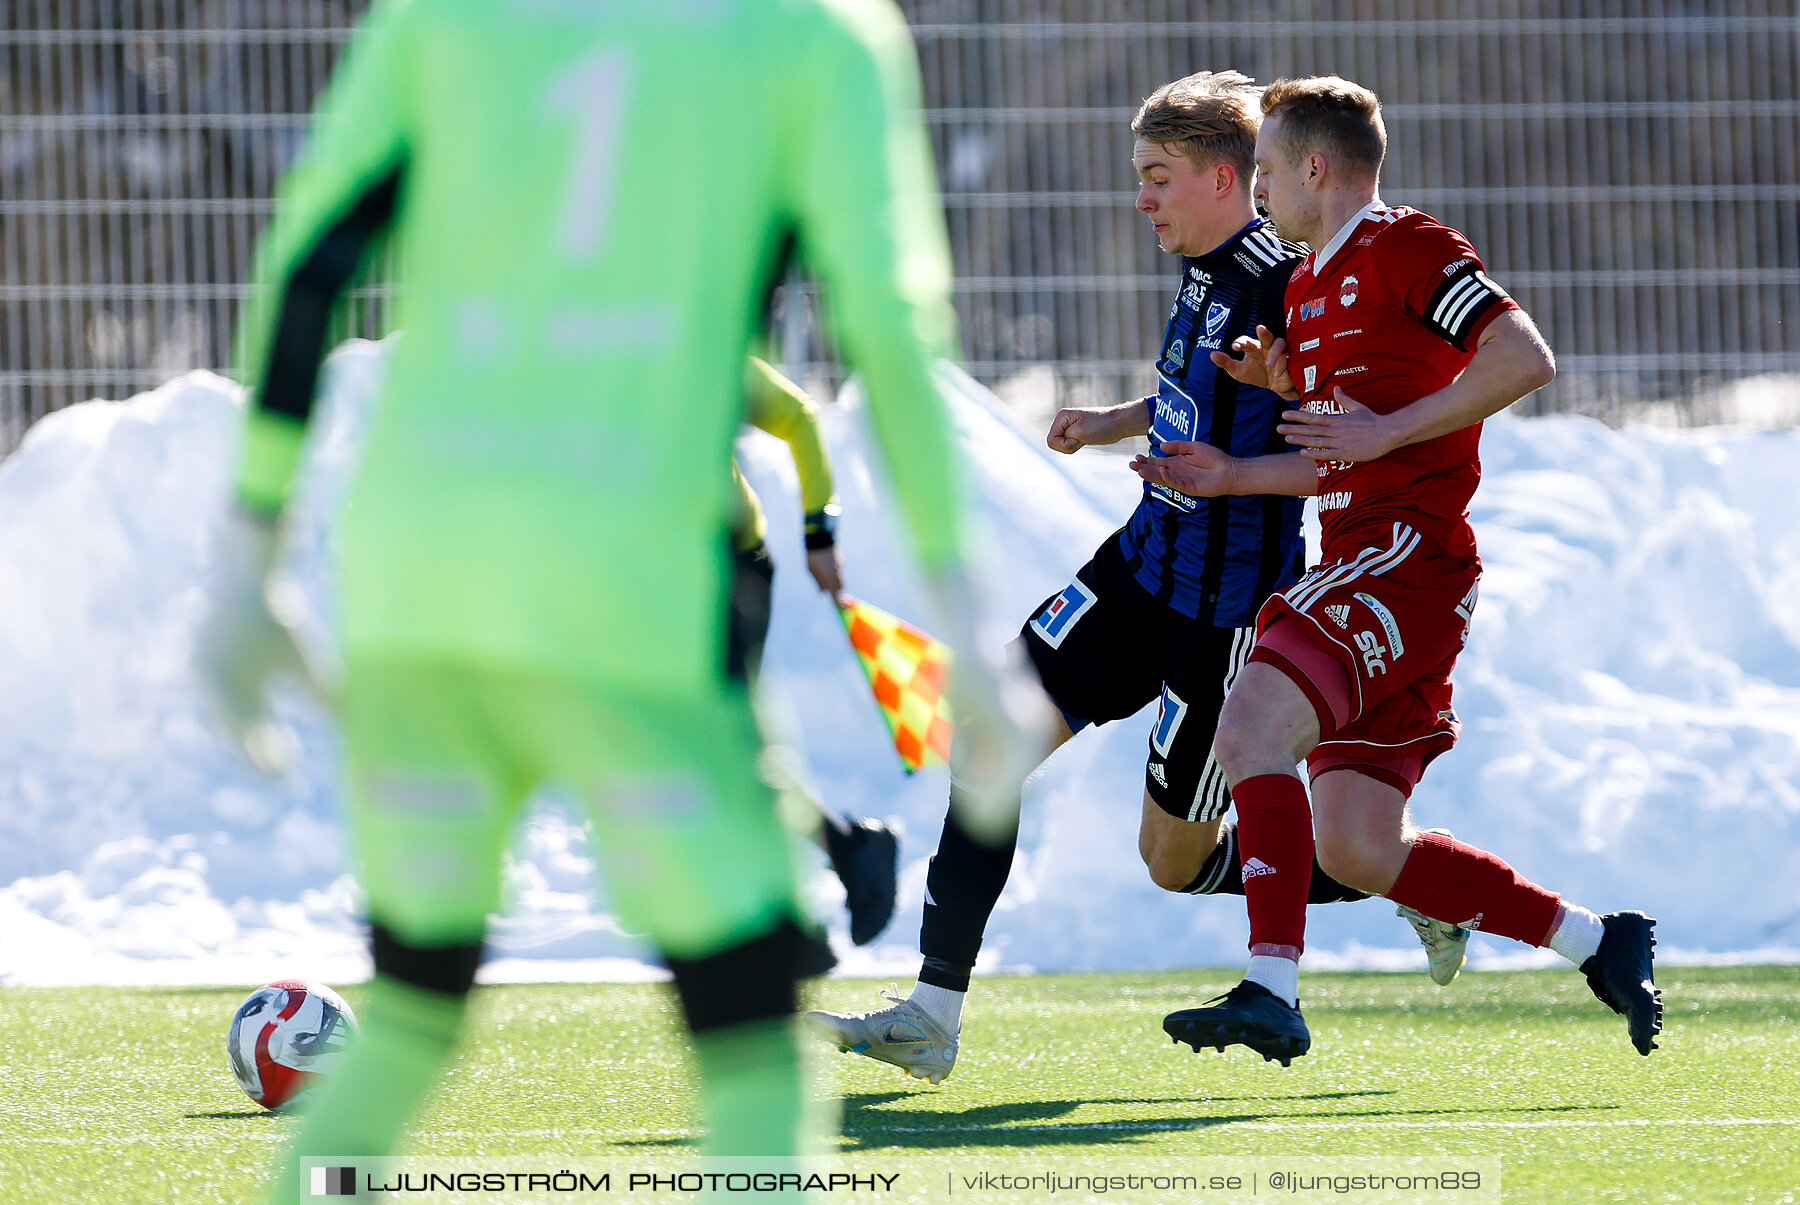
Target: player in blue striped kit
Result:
[[1167, 605]]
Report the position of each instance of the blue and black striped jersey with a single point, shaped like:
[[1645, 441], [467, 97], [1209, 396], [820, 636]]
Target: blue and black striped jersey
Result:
[[1217, 559]]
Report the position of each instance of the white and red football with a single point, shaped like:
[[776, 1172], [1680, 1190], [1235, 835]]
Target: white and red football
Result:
[[284, 1036]]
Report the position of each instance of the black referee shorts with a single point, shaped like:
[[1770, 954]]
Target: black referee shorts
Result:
[[1104, 646], [748, 607]]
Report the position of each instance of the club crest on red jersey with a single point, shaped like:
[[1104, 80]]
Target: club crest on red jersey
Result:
[[1347, 292]]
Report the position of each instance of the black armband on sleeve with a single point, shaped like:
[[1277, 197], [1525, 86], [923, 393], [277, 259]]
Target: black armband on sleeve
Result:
[[1459, 303], [311, 290], [821, 528]]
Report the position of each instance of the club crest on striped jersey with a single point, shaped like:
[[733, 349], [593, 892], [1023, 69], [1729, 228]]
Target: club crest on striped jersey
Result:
[[1063, 612], [1216, 314]]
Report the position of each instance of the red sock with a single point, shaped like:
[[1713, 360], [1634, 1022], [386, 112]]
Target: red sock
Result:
[[1462, 885], [1275, 839]]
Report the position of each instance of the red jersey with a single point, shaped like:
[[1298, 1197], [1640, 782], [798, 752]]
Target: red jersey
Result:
[[1389, 311]]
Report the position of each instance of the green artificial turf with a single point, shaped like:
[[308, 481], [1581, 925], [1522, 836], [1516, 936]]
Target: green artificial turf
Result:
[[124, 1095]]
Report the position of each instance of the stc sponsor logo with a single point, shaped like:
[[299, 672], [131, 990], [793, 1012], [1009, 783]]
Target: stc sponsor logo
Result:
[[1373, 653]]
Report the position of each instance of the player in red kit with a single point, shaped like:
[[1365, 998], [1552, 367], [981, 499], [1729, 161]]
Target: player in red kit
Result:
[[1397, 347]]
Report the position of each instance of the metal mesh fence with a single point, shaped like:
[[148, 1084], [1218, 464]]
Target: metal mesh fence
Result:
[[1629, 170], [140, 143]]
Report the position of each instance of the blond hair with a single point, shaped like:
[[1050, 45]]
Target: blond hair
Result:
[[1210, 117], [1330, 114]]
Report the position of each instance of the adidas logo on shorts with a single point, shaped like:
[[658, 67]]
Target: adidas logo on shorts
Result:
[[1340, 614]]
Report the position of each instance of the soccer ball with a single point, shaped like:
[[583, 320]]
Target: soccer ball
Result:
[[284, 1036]]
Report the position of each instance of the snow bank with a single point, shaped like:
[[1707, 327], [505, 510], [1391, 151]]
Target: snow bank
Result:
[[1630, 698]]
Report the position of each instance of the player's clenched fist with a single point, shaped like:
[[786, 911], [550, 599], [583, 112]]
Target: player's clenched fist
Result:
[[1067, 430], [1074, 429]]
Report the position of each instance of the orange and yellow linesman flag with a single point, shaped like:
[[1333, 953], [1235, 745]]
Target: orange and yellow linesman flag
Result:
[[907, 670]]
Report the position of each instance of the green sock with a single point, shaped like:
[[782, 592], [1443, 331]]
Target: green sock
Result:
[[406, 1037], [755, 1096]]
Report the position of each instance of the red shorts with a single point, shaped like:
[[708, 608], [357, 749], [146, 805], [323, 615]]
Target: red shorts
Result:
[[1394, 619]]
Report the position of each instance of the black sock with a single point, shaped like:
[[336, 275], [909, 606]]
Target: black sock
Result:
[[753, 980], [1222, 874], [834, 834], [963, 882]]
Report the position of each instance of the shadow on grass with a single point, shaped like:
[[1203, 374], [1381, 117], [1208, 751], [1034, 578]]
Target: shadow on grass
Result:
[[867, 1127], [227, 1114]]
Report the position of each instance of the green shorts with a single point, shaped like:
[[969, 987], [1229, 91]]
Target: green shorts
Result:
[[442, 757]]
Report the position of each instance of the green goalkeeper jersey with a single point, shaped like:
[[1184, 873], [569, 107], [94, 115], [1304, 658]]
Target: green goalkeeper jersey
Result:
[[591, 200]]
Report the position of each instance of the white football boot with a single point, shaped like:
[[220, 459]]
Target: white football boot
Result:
[[904, 1035], [1446, 945]]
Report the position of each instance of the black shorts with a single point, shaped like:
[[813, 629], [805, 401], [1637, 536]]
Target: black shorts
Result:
[[1104, 647], [747, 611]]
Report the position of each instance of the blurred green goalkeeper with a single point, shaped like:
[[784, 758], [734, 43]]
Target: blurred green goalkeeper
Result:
[[591, 201]]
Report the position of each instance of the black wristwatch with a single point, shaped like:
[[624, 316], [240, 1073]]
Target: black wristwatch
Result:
[[821, 528]]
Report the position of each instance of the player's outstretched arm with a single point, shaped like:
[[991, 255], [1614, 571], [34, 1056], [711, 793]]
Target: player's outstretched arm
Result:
[[1511, 359], [336, 201], [334, 205], [1205, 472], [1073, 429]]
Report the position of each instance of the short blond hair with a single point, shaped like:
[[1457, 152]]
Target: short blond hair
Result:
[[1210, 117], [1328, 113]]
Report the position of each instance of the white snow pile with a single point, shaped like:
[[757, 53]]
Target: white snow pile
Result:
[[1630, 700]]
